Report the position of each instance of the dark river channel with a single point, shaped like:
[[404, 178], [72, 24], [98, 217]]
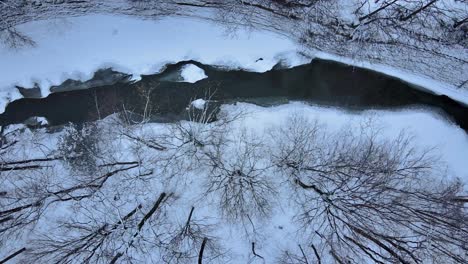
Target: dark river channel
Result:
[[320, 82]]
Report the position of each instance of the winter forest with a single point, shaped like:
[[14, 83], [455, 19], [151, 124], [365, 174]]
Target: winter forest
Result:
[[234, 131]]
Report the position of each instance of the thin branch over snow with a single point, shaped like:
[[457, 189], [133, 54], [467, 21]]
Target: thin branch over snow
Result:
[[368, 199], [202, 190]]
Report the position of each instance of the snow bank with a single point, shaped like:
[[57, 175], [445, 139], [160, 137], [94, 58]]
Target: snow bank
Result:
[[7, 94], [424, 82], [429, 129], [198, 104], [272, 234], [76, 47], [192, 73], [42, 121]]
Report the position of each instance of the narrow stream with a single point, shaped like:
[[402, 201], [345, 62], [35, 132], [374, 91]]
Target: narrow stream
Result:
[[321, 82]]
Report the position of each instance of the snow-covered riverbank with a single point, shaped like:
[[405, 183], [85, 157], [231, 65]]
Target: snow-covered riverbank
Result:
[[234, 182], [74, 48], [272, 235]]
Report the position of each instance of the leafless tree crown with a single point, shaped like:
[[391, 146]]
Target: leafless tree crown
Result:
[[359, 196]]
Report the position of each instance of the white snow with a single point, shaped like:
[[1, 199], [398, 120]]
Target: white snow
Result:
[[192, 73], [76, 47], [8, 94], [428, 128], [198, 104], [42, 120], [275, 233]]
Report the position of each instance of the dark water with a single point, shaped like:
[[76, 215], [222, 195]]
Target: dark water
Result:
[[321, 82]]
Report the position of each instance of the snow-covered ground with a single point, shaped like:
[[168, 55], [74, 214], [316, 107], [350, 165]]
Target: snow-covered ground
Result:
[[192, 73], [429, 129], [273, 234], [198, 103], [76, 47]]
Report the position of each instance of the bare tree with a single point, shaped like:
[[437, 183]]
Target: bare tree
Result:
[[363, 198], [360, 196], [234, 169], [139, 235], [106, 223], [79, 146], [192, 240], [29, 195], [95, 239], [14, 39], [186, 141], [300, 256], [238, 176], [22, 182]]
